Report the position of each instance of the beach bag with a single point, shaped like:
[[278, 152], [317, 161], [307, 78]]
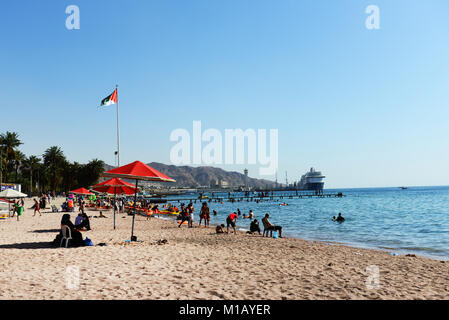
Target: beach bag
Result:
[[88, 242], [275, 235]]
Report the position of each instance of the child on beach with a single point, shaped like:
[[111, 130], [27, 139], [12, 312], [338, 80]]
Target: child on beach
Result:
[[219, 229], [254, 227], [36, 208]]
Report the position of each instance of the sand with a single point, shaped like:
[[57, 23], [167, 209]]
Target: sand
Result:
[[199, 264]]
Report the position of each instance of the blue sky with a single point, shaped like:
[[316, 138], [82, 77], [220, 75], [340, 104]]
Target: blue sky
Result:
[[367, 107]]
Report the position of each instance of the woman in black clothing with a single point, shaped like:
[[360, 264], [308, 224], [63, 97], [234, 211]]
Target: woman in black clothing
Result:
[[77, 237]]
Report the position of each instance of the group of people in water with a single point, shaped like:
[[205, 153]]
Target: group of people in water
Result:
[[339, 218]]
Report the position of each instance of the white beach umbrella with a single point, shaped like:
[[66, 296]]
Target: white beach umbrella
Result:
[[11, 194]]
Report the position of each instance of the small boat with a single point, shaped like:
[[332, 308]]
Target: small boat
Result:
[[403, 188]]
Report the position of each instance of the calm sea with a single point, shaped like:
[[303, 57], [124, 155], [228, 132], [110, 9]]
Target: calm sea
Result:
[[415, 220]]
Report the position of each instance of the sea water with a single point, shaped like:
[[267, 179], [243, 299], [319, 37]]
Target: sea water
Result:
[[414, 220]]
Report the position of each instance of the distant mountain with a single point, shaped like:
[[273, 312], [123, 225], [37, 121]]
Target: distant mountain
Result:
[[193, 177]]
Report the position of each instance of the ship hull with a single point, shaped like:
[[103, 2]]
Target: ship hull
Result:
[[313, 186]]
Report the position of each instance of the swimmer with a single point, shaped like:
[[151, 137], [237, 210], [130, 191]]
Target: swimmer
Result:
[[339, 218]]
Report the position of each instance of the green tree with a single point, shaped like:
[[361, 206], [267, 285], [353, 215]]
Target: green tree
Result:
[[19, 158], [9, 142], [90, 173], [54, 161], [70, 176], [31, 166]]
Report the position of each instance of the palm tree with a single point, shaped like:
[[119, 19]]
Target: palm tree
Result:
[[9, 142], [32, 165], [54, 161], [19, 158]]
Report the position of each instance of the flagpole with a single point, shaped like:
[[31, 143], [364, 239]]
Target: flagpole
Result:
[[118, 132]]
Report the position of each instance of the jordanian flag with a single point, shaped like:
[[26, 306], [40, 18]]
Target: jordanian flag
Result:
[[111, 99]]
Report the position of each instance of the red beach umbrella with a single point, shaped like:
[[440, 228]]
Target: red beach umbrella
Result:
[[137, 171], [115, 186], [82, 191]]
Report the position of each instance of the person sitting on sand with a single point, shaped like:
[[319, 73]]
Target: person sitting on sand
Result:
[[82, 221], [77, 237], [231, 221], [101, 215], [268, 226], [220, 229], [79, 219], [254, 227]]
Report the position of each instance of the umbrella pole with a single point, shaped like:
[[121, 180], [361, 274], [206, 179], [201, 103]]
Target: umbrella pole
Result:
[[134, 214], [115, 203]]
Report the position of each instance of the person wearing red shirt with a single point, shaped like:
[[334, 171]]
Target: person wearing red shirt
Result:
[[231, 221]]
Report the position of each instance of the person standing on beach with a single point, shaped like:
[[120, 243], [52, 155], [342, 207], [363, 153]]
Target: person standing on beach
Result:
[[207, 216], [204, 214], [36, 207], [231, 220], [19, 209], [184, 217], [190, 210]]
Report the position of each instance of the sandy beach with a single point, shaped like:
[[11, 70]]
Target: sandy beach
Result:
[[199, 264]]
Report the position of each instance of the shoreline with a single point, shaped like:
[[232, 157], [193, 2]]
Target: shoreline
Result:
[[392, 251]]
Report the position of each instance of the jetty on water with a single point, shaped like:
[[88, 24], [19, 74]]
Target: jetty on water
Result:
[[230, 197]]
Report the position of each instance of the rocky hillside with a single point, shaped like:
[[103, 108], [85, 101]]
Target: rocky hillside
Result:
[[193, 177]]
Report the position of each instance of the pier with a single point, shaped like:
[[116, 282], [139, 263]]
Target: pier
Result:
[[261, 197]]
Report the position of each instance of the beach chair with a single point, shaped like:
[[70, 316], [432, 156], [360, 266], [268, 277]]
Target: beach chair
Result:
[[66, 234], [54, 208], [266, 228]]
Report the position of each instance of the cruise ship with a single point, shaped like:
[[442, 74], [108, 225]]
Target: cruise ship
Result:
[[312, 180]]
